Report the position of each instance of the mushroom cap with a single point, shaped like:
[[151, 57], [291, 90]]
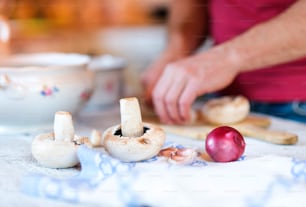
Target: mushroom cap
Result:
[[132, 149], [54, 154], [226, 110]]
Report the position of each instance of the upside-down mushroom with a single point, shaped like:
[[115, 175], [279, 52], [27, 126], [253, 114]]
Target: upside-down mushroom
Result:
[[133, 140], [58, 149]]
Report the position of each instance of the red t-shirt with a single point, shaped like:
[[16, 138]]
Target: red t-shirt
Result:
[[281, 83]]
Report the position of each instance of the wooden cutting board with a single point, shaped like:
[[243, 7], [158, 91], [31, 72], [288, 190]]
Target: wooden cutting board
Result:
[[253, 126]]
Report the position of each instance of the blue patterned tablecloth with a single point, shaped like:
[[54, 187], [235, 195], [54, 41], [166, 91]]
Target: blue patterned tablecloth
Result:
[[267, 175]]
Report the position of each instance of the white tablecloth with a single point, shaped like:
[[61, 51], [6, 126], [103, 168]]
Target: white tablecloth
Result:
[[267, 174]]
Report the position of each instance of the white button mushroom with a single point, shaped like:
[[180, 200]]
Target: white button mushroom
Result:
[[133, 140], [226, 109], [58, 149]]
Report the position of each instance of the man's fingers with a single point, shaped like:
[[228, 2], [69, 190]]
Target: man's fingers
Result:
[[158, 94], [172, 97], [188, 96]]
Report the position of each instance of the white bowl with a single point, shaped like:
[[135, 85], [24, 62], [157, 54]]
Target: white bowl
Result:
[[34, 86], [109, 81]]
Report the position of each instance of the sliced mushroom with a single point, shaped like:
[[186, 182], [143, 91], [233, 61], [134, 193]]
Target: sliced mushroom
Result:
[[58, 149], [226, 109], [133, 140]]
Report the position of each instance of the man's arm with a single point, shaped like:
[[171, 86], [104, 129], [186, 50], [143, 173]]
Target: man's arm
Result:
[[279, 40]]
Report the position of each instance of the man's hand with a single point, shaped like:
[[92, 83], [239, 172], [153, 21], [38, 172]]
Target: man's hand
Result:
[[184, 80]]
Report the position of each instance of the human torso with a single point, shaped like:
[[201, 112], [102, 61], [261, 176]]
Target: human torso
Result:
[[279, 83]]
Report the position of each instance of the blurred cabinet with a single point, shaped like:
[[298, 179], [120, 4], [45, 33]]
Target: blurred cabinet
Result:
[[86, 13]]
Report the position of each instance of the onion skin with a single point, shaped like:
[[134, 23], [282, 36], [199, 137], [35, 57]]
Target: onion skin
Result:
[[224, 144]]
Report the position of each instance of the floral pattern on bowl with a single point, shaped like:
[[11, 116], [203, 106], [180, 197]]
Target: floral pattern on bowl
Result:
[[49, 91], [33, 87]]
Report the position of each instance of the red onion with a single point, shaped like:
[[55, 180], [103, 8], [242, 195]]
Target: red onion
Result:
[[224, 144]]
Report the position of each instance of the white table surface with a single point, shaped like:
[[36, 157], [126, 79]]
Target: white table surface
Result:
[[16, 160]]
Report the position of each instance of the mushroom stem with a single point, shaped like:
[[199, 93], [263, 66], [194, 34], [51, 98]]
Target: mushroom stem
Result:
[[63, 126], [131, 122]]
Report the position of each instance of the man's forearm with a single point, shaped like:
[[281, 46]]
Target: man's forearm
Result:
[[187, 25], [279, 40]]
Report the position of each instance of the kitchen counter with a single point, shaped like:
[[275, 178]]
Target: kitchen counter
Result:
[[266, 175]]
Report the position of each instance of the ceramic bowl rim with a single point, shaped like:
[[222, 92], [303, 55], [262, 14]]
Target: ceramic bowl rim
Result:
[[46, 60]]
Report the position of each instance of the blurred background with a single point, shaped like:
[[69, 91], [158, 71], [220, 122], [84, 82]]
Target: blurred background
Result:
[[133, 29]]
